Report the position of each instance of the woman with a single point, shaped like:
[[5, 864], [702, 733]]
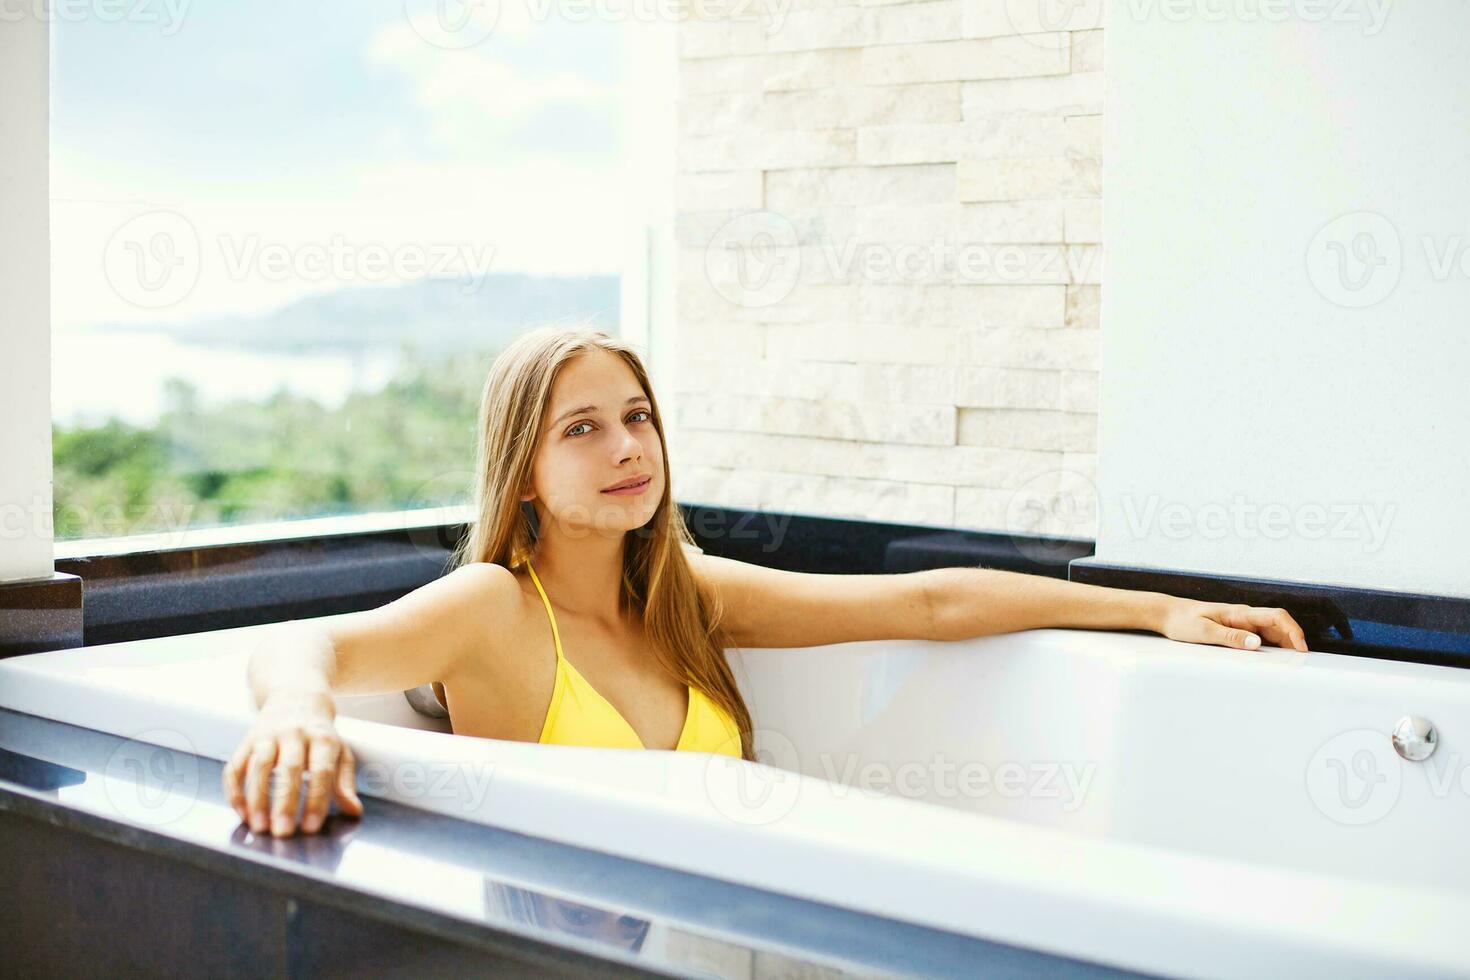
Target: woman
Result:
[[575, 615]]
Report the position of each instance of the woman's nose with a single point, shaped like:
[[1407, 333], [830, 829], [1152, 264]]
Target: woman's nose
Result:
[[629, 446]]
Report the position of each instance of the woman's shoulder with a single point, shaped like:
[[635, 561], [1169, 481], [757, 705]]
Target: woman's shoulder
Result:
[[488, 593], [496, 587]]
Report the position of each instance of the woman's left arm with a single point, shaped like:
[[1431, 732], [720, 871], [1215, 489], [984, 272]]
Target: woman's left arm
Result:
[[975, 601], [768, 607]]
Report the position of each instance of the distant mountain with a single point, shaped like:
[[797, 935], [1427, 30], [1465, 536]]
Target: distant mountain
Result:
[[432, 315]]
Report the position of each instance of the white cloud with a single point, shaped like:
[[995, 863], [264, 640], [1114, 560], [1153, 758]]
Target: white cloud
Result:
[[463, 89]]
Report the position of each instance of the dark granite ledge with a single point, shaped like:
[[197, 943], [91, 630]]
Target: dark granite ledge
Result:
[[188, 590], [40, 614], [1402, 626]]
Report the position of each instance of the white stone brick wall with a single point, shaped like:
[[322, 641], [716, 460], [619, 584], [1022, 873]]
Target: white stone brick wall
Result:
[[926, 347]]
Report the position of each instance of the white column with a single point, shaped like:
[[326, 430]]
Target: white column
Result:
[[650, 66], [25, 301]]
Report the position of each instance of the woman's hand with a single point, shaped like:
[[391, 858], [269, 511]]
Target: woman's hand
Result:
[[294, 735], [1230, 624]]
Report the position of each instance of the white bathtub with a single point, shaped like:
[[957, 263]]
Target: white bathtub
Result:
[[1124, 799]]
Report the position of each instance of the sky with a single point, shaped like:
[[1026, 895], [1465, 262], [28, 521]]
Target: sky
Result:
[[238, 143]]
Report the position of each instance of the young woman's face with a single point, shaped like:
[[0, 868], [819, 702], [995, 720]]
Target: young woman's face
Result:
[[598, 431]]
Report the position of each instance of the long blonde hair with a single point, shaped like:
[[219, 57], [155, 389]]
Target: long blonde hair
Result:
[[681, 617]]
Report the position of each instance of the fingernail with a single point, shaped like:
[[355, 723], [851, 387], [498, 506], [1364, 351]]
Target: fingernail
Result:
[[280, 826], [257, 824], [310, 824], [1252, 641]]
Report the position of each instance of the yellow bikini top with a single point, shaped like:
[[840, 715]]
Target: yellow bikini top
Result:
[[578, 715]]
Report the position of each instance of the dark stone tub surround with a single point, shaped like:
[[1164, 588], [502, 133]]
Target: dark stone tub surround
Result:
[[186, 590]]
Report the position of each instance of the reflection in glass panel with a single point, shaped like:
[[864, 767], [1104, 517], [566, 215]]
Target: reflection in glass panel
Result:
[[288, 239], [589, 922]]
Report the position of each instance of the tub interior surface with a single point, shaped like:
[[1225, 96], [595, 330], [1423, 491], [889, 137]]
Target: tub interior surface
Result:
[[1273, 757]]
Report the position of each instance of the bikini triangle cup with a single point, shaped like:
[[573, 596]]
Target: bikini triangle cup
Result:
[[579, 715]]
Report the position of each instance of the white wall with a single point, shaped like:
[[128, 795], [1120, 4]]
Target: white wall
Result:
[[25, 341], [1239, 368]]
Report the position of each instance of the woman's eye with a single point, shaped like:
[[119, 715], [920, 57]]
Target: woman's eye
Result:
[[573, 430]]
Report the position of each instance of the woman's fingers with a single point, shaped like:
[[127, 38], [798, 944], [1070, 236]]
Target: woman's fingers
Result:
[[1230, 636], [290, 764], [257, 782], [263, 779], [325, 751], [1279, 627], [233, 777], [1235, 625], [346, 788], [1271, 624]]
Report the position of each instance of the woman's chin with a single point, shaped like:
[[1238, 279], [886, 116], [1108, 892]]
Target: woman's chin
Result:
[[624, 514]]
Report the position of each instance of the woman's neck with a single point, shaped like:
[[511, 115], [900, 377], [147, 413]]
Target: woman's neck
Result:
[[585, 575]]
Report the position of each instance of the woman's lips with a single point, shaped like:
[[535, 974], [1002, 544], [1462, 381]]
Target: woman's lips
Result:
[[629, 491]]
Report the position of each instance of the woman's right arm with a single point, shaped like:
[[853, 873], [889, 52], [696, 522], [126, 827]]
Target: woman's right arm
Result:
[[423, 636]]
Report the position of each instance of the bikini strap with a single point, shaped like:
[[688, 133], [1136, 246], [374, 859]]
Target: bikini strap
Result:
[[555, 634]]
